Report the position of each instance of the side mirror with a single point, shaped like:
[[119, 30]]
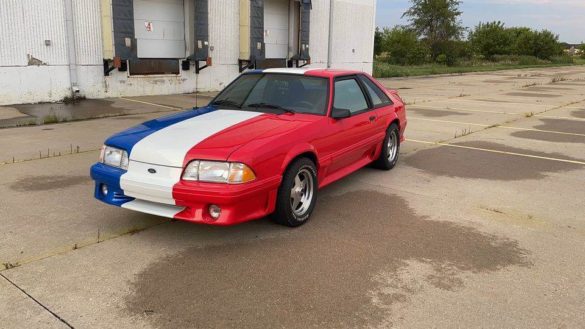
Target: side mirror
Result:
[[340, 113]]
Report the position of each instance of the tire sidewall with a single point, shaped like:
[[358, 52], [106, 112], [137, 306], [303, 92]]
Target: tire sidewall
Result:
[[395, 128], [291, 218], [390, 164]]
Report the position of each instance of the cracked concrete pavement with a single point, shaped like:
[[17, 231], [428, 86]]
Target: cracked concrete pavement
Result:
[[480, 225]]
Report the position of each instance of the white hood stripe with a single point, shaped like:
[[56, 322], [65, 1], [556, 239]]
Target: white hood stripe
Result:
[[164, 151], [169, 146]]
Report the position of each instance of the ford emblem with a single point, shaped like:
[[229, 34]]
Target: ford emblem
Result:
[[152, 170]]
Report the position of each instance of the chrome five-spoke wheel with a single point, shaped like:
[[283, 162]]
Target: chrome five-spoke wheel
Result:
[[390, 149], [301, 193], [392, 145], [297, 193]]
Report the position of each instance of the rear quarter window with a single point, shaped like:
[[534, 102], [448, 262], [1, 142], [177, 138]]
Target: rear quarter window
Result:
[[377, 95]]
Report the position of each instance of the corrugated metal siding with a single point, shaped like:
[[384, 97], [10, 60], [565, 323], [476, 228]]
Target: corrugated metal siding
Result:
[[45, 20], [224, 31], [25, 25], [87, 25], [12, 46]]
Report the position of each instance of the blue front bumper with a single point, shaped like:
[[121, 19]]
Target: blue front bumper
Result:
[[109, 176]]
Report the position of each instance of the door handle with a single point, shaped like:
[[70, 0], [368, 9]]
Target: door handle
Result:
[[372, 118]]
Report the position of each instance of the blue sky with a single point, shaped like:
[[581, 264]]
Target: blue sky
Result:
[[563, 17]]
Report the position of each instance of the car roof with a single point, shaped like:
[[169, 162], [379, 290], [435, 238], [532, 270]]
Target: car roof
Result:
[[317, 72]]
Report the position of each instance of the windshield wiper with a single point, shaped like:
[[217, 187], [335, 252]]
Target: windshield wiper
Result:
[[271, 106], [226, 102]]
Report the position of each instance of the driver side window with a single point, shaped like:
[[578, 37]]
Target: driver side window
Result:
[[349, 95]]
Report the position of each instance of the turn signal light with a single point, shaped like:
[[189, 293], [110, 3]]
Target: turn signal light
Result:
[[240, 173]]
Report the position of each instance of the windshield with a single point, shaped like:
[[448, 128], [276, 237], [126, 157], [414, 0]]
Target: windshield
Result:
[[276, 93]]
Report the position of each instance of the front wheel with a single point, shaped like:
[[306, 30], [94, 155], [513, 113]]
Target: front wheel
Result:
[[297, 194], [390, 149]]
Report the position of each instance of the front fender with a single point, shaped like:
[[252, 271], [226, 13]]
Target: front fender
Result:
[[298, 150]]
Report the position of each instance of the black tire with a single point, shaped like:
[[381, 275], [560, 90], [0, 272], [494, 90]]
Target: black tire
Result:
[[284, 213], [389, 157]]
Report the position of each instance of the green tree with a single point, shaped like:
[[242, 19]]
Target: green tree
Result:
[[403, 47], [490, 39], [547, 45], [436, 22], [582, 50], [378, 37], [523, 40], [543, 44], [450, 52]]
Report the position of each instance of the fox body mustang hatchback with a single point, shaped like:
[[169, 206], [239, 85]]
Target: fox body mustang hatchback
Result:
[[263, 146]]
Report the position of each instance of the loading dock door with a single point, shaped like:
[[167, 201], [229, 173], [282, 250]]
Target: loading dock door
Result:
[[159, 27], [276, 28]]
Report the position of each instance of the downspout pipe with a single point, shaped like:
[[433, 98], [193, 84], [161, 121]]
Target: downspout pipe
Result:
[[72, 52], [330, 38]]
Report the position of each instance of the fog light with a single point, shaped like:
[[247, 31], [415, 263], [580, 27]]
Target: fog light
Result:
[[104, 189], [214, 211]]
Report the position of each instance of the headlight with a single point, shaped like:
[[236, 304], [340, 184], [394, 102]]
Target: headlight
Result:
[[114, 157], [214, 172], [218, 172]]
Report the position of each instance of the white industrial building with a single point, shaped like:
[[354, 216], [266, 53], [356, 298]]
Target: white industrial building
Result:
[[53, 49]]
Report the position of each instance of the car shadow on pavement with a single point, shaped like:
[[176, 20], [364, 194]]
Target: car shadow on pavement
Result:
[[320, 275]]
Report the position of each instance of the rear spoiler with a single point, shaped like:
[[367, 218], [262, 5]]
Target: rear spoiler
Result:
[[394, 93]]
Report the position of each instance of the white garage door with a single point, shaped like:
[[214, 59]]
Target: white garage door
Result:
[[276, 28], [159, 26]]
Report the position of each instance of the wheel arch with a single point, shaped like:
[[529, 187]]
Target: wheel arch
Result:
[[394, 118], [306, 151], [396, 121]]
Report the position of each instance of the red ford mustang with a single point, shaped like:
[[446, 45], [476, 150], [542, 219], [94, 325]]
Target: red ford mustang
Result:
[[263, 146]]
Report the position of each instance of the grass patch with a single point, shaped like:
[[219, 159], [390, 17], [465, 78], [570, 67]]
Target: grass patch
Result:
[[72, 99], [53, 118], [385, 70], [463, 133], [26, 123], [530, 85], [558, 78], [8, 266]]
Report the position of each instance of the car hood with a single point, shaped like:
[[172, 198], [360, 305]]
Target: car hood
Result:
[[205, 133]]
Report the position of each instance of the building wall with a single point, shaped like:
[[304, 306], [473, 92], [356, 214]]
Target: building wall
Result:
[[224, 40], [319, 34], [31, 71], [353, 34]]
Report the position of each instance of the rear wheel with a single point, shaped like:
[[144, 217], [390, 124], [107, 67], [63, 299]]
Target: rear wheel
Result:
[[297, 194], [390, 149]]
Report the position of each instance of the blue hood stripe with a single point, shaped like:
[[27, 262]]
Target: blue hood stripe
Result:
[[128, 138]]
